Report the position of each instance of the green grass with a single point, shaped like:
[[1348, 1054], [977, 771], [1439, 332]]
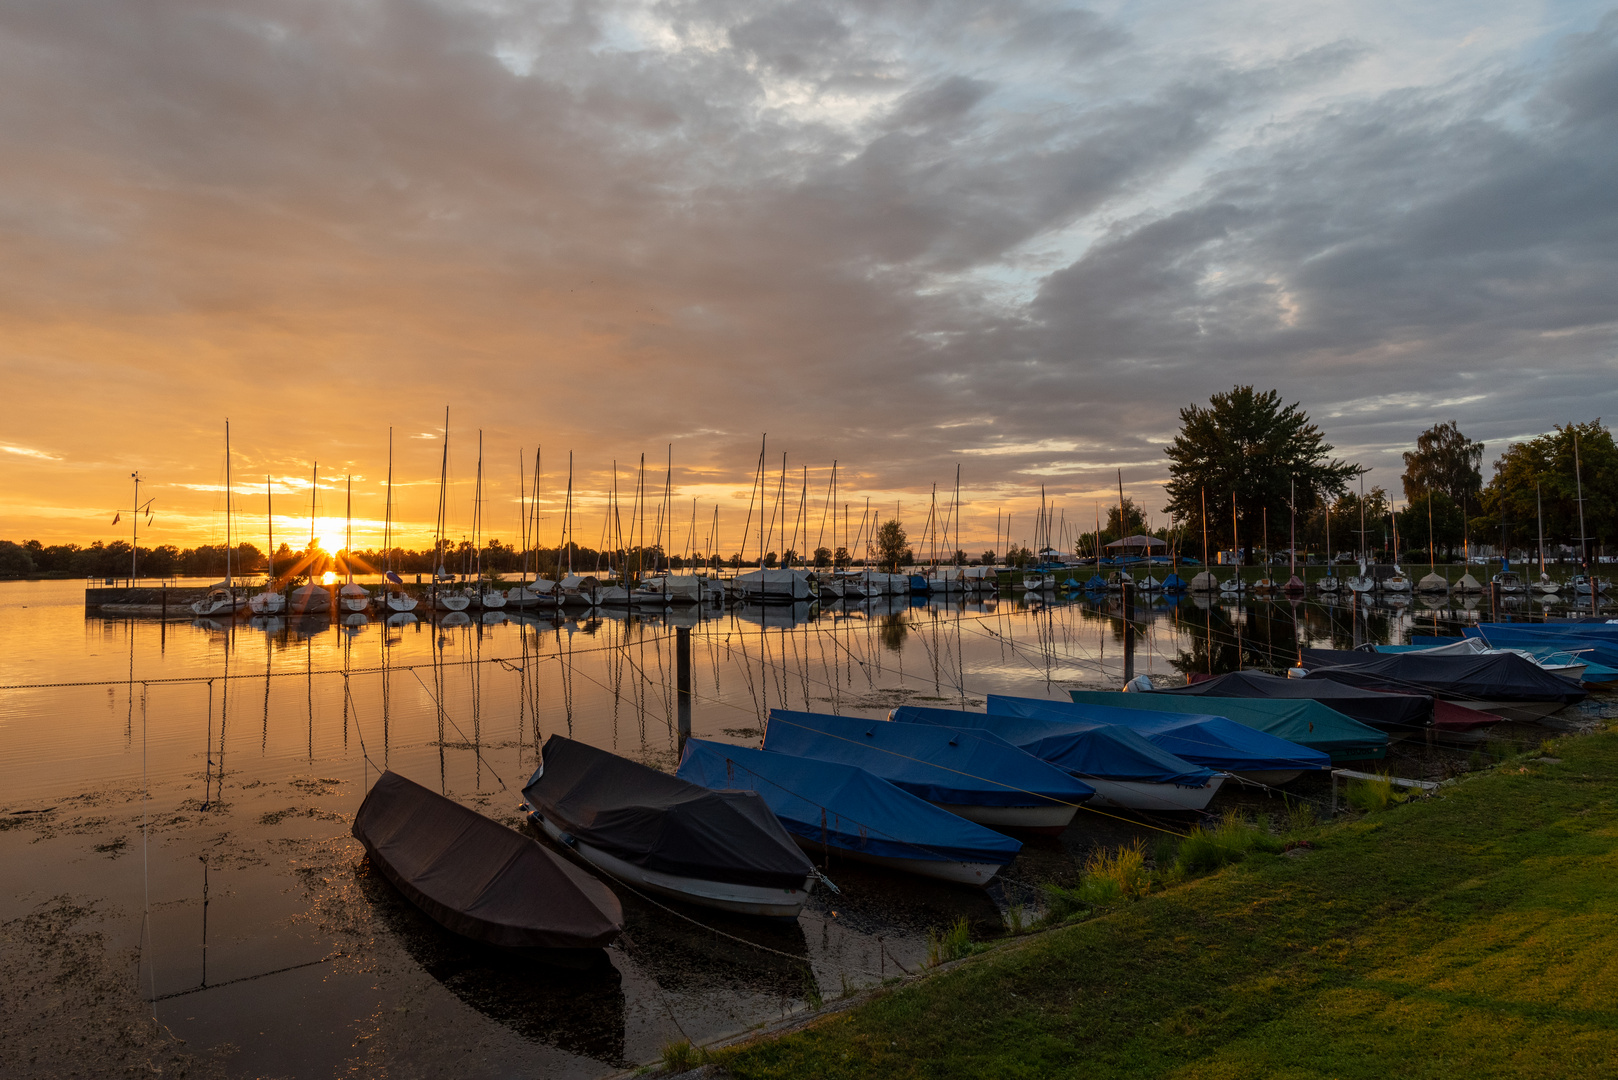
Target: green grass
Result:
[[1470, 934]]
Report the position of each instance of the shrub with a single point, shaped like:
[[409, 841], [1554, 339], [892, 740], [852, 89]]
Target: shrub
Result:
[[679, 1057], [1121, 872], [1230, 840], [952, 944], [1061, 903], [1370, 796]]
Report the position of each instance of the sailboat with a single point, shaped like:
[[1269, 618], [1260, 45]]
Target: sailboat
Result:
[[270, 601], [1544, 586], [1329, 584], [394, 598], [1294, 585], [1398, 582], [491, 598], [222, 599], [351, 598], [1364, 581], [1236, 585], [1432, 583], [311, 598], [1203, 581], [444, 599]]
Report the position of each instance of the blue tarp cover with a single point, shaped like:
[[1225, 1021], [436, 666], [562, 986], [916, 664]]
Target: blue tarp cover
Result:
[[1102, 751], [1307, 723], [840, 806], [1214, 741], [1574, 638], [934, 763]]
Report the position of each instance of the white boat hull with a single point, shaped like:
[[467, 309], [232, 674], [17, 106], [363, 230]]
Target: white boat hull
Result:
[[773, 902], [1052, 819], [1138, 795], [267, 603], [451, 601], [401, 603], [216, 608]]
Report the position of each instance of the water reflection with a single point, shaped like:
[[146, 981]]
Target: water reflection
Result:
[[578, 1007]]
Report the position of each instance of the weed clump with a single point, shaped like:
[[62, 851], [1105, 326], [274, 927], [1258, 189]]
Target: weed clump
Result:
[[679, 1057], [1370, 796], [1230, 840], [1120, 873], [952, 944]]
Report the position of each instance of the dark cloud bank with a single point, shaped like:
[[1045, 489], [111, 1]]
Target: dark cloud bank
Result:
[[900, 235]]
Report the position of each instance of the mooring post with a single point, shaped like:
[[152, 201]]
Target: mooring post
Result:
[[682, 680], [1129, 632]]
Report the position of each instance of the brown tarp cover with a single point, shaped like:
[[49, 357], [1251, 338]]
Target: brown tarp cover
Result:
[[663, 823], [479, 878]]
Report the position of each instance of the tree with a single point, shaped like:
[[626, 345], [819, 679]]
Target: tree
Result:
[[822, 557], [1547, 464], [15, 559], [1444, 460], [890, 545], [1248, 444], [1445, 529], [989, 558], [841, 557], [959, 558], [1134, 521], [788, 558]]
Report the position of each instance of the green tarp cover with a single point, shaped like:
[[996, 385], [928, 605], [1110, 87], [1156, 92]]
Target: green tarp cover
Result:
[[1305, 722]]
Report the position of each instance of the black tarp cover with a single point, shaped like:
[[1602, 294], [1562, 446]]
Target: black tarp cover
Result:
[[477, 877], [1485, 677], [1385, 711], [663, 823]]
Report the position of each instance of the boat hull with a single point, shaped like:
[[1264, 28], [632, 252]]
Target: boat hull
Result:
[[777, 903], [1136, 795], [1052, 819], [961, 873]]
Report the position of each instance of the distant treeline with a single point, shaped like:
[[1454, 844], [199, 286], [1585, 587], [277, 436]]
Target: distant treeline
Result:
[[208, 560]]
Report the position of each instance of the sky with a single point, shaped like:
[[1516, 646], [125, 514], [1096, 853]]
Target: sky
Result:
[[1011, 238]]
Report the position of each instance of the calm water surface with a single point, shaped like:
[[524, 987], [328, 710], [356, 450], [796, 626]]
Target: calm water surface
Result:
[[240, 752]]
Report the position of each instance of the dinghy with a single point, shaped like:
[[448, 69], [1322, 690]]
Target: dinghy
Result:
[[1125, 769], [828, 806], [1209, 740], [719, 849], [998, 786], [476, 877]]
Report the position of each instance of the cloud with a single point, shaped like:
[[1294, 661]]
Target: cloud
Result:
[[28, 452], [608, 227]]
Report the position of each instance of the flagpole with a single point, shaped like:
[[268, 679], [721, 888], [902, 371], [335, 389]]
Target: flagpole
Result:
[[134, 532]]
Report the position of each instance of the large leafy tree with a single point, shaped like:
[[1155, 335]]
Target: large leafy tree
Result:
[[1547, 464], [1446, 461], [1249, 445], [890, 545]]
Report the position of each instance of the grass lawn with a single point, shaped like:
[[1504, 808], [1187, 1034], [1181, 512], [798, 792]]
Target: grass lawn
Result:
[[1472, 934]]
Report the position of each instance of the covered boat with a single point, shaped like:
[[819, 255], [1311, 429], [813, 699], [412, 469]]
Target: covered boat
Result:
[[987, 782], [828, 806], [478, 878], [772, 586], [1502, 684], [1307, 723], [1124, 768], [1204, 739], [720, 849], [1394, 713], [1433, 584]]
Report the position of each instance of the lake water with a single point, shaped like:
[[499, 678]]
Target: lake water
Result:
[[185, 789]]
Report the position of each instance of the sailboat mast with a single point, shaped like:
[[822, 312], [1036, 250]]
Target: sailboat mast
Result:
[[269, 521], [387, 519], [314, 486], [227, 502], [443, 513], [1539, 516], [1292, 534], [348, 531], [1204, 529]]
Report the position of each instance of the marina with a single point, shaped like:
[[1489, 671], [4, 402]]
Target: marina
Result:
[[192, 782]]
